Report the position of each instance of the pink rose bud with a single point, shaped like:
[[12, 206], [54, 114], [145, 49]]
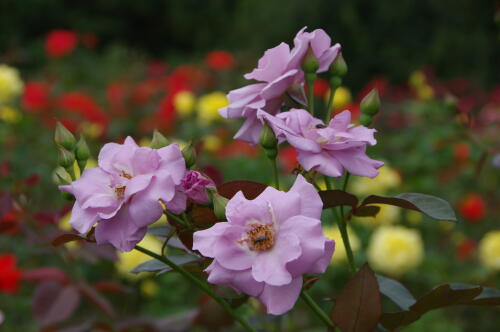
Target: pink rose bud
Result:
[[194, 185]]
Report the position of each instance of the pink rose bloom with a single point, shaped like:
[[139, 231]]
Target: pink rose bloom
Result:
[[122, 195], [267, 244], [328, 150], [194, 184], [280, 72]]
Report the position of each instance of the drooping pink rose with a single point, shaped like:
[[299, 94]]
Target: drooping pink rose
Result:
[[122, 195], [267, 244], [279, 73], [194, 184], [327, 149]]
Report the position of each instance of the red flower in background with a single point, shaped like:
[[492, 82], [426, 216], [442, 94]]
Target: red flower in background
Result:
[[465, 249], [83, 104], [89, 40], [35, 96], [472, 207], [9, 275], [288, 158], [461, 151], [116, 96], [320, 88], [220, 60], [59, 43]]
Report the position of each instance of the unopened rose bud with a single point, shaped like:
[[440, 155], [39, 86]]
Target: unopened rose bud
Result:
[[82, 153], [371, 103], [310, 64], [159, 141], [194, 185], [219, 203], [63, 137], [268, 139], [335, 82], [189, 155], [66, 158], [365, 119], [338, 67], [61, 177]]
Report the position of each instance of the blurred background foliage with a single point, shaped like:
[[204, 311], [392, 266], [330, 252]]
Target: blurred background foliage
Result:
[[457, 37]]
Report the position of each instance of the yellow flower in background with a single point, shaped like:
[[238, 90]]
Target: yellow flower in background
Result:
[[212, 143], [145, 142], [413, 217], [11, 84], [9, 114], [388, 214], [340, 255], [209, 105], [184, 103], [395, 250], [489, 250], [417, 79], [341, 99], [388, 178], [149, 287], [92, 130], [425, 92], [127, 261]]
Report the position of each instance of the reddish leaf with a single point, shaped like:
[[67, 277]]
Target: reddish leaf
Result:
[[45, 273], [108, 286], [249, 188], [202, 215], [6, 226], [65, 238], [367, 211], [332, 198], [358, 307], [54, 303], [95, 297]]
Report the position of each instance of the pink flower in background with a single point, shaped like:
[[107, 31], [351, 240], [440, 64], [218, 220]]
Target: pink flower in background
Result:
[[279, 73], [326, 149], [194, 184], [267, 244], [122, 195]]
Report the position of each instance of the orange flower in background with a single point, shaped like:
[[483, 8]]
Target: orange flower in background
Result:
[[59, 43], [35, 96], [220, 60], [9, 274], [461, 151], [472, 207]]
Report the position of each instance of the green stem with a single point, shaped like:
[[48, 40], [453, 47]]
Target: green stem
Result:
[[276, 175], [200, 284], [310, 78], [317, 310], [343, 225], [179, 220], [329, 106]]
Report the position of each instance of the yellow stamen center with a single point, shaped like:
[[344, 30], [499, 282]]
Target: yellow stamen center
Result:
[[260, 237]]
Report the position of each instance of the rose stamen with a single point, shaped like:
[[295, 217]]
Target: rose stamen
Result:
[[260, 237], [120, 192]]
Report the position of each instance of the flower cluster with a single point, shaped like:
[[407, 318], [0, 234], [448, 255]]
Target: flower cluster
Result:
[[123, 194], [279, 73], [267, 244]]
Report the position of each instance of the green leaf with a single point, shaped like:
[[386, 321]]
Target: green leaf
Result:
[[431, 206], [179, 260], [162, 231], [358, 306], [333, 198], [152, 265], [396, 292]]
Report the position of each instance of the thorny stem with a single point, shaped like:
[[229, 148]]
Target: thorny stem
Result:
[[317, 310], [200, 284]]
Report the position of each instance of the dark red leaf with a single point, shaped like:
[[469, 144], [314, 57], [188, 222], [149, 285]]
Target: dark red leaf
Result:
[[332, 198], [54, 303], [95, 297], [249, 188], [358, 306], [108, 286], [65, 238], [45, 273], [367, 211]]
